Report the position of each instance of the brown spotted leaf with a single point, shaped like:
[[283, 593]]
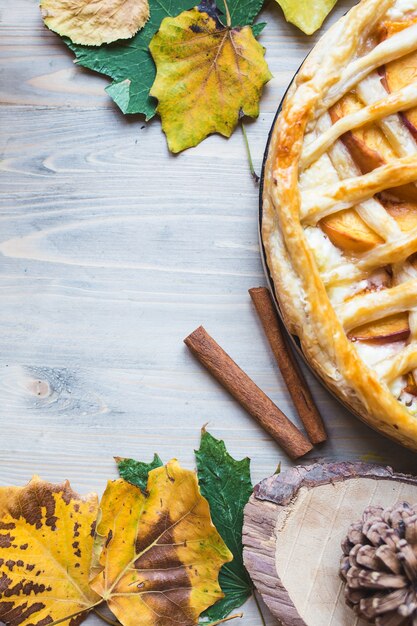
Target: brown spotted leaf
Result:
[[46, 540], [158, 554]]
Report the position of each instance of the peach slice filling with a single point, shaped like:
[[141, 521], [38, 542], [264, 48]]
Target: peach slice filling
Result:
[[403, 71], [389, 329], [347, 231], [370, 149], [411, 387]]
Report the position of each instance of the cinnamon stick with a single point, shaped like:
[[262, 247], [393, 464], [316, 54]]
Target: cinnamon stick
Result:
[[247, 393], [291, 373]]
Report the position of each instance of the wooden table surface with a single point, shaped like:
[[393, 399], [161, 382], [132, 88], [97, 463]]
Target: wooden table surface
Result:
[[112, 251]]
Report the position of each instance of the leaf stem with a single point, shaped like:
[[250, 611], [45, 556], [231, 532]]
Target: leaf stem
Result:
[[249, 155], [106, 619], [259, 608], [228, 17], [225, 619]]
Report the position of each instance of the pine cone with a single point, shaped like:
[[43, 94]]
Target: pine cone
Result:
[[379, 565]]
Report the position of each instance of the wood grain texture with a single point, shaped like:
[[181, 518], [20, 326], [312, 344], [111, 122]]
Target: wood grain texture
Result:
[[259, 537], [112, 251], [295, 522]]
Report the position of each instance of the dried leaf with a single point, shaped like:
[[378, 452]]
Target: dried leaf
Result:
[[46, 539], [308, 15], [160, 554], [93, 22], [130, 64], [208, 75]]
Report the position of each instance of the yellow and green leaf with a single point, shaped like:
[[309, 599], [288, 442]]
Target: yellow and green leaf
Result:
[[95, 22], [129, 63], [46, 540], [159, 552], [208, 75], [308, 15]]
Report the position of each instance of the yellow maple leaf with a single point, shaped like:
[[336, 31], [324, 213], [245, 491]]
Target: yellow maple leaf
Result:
[[46, 539], [94, 22], [308, 15], [159, 553], [208, 75]]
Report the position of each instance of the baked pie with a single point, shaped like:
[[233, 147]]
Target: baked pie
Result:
[[339, 222]]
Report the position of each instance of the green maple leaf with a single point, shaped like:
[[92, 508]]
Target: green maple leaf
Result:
[[136, 472], [227, 486], [130, 64]]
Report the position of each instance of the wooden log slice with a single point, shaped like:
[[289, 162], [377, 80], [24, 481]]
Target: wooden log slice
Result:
[[293, 527]]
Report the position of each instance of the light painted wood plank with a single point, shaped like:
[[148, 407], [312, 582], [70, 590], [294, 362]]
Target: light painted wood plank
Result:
[[112, 251]]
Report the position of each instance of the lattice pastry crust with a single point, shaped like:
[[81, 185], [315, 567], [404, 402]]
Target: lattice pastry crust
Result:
[[352, 298]]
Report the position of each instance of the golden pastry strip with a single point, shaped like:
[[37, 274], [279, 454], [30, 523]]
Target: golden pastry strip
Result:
[[345, 194], [398, 101], [377, 218], [391, 252], [371, 90], [403, 362], [371, 211], [385, 254], [391, 49], [347, 273], [376, 304]]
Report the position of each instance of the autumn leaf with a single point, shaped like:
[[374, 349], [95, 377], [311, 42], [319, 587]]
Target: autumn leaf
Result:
[[227, 486], [160, 553], [93, 22], [46, 539], [136, 472], [130, 64], [207, 76], [308, 15], [226, 483]]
